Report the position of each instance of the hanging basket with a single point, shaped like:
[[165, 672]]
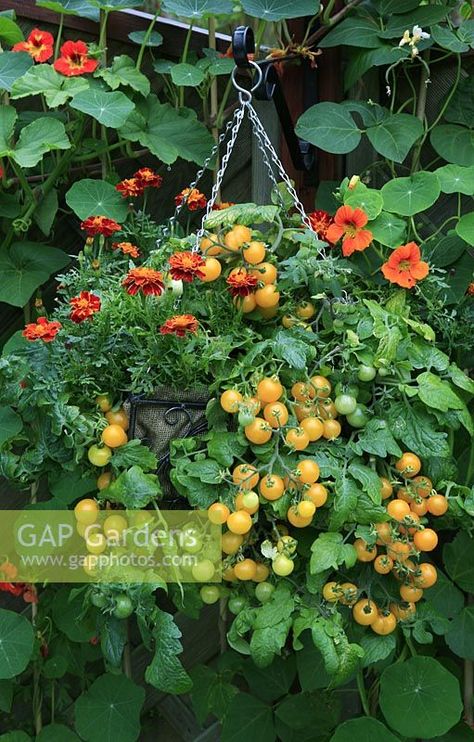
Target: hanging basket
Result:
[[159, 419]]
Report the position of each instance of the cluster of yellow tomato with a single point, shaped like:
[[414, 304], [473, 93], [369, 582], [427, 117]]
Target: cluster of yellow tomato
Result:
[[403, 538], [113, 436], [311, 405], [238, 242]]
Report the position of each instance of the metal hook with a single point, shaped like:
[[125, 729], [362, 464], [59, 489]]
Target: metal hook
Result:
[[245, 94], [243, 44]]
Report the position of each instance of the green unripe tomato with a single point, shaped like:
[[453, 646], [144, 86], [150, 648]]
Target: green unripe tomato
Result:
[[358, 419], [236, 604], [123, 606], [203, 571], [282, 566], [366, 373], [338, 324], [209, 594], [99, 455], [345, 404], [383, 372], [350, 389], [245, 418], [99, 600], [263, 591]]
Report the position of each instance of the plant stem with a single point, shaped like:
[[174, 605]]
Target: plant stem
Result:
[[184, 57], [23, 181], [469, 684], [58, 37], [332, 22], [103, 36], [144, 42], [362, 692], [327, 11]]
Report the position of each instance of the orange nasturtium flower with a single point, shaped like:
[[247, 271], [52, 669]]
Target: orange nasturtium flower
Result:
[[222, 205], [185, 266], [405, 267], [192, 198], [84, 306], [145, 281], [127, 248], [148, 178], [320, 222], [130, 187], [241, 283], [349, 224], [180, 325], [74, 59], [100, 225], [39, 45], [42, 329]]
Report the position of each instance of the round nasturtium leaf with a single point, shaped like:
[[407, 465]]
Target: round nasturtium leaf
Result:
[[56, 733], [16, 643], [465, 228], [89, 197], [388, 229], [420, 698], [330, 127], [367, 199], [460, 637], [456, 179], [409, 196], [110, 710], [363, 730]]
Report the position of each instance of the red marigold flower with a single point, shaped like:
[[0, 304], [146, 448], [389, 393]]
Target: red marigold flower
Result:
[[148, 178], [185, 266], [100, 225], [42, 329], [349, 224], [241, 283], [30, 595], [320, 222], [405, 267], [192, 198], [75, 60], [84, 306], [130, 187], [470, 289], [180, 325], [39, 45], [222, 205], [145, 280], [127, 248]]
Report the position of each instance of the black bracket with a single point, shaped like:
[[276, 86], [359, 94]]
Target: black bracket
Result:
[[243, 44]]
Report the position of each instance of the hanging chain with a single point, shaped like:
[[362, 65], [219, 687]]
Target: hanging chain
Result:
[[258, 126], [269, 155], [235, 122]]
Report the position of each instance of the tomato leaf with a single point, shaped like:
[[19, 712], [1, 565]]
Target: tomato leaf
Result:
[[369, 479], [134, 453], [224, 447], [329, 551], [347, 493], [435, 392], [377, 648], [133, 488], [166, 671], [377, 439], [415, 427]]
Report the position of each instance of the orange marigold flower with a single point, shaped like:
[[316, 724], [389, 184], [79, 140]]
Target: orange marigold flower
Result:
[[241, 283], [42, 329], [8, 570], [405, 267], [148, 178], [470, 289], [320, 221], [222, 205], [349, 224], [39, 45], [74, 59], [84, 306], [144, 280], [185, 266], [127, 248], [180, 325], [192, 198], [100, 225], [130, 187]]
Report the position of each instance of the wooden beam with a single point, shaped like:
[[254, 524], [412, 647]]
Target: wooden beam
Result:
[[120, 24]]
